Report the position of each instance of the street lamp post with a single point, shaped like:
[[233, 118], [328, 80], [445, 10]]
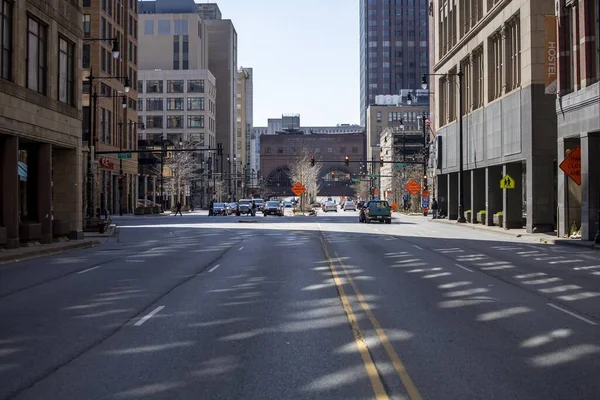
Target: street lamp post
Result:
[[92, 125], [461, 181]]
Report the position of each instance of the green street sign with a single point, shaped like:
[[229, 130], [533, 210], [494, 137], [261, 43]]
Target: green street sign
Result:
[[373, 175], [401, 165], [355, 180], [124, 156]]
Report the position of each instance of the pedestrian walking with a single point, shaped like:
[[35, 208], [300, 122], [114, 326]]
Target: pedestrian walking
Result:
[[253, 212], [434, 208], [178, 209]]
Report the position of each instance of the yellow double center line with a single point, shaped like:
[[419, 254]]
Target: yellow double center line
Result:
[[375, 379]]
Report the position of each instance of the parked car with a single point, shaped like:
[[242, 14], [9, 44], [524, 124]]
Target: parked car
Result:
[[228, 209], [234, 207], [288, 204], [330, 206], [349, 206], [244, 207], [273, 208], [219, 209]]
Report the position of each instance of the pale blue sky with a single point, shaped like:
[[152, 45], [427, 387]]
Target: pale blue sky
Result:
[[305, 55]]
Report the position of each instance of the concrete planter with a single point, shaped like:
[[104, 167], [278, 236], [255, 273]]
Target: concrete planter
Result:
[[29, 232], [60, 228], [481, 218], [498, 219], [468, 215]]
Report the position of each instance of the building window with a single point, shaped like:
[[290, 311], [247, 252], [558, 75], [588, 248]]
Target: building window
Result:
[[174, 104], [154, 122], [85, 56], [174, 121], [180, 27], [443, 101], [495, 66], [513, 52], [378, 116], [154, 104], [195, 121], [36, 56], [195, 103], [154, 86], [164, 27], [478, 78], [6, 44], [66, 71], [141, 105], [86, 25], [174, 86], [196, 86], [465, 88], [149, 27]]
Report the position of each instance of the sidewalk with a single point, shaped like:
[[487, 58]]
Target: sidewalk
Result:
[[547, 238], [39, 250]]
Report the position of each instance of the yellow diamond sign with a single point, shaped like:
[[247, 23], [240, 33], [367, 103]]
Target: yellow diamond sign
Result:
[[507, 182]]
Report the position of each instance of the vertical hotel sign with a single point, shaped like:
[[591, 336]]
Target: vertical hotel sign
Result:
[[551, 55]]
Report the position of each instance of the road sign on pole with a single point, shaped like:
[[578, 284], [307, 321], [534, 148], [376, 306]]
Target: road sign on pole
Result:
[[571, 165], [507, 182], [298, 189], [124, 156], [413, 187]]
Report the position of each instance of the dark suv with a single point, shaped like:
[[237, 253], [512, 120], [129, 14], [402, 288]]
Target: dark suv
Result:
[[273, 208]]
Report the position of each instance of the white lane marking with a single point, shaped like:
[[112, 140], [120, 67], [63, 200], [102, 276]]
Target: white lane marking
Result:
[[420, 248], [572, 314], [148, 316], [88, 270], [241, 248], [465, 268], [215, 267]]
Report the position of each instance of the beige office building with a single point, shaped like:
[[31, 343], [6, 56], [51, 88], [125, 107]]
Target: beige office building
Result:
[[172, 42], [244, 124], [509, 123]]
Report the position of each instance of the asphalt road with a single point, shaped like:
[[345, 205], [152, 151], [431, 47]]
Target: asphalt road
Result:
[[199, 307]]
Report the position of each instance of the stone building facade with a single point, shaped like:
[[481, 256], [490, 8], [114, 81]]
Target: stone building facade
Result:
[[509, 123], [40, 122]]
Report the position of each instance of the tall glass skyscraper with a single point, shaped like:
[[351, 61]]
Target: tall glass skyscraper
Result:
[[394, 48]]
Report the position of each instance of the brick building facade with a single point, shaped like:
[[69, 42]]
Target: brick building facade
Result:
[[40, 122], [113, 127], [278, 151]]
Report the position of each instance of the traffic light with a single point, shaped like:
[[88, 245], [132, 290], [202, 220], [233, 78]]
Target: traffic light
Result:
[[312, 161], [347, 161], [424, 181], [381, 161]]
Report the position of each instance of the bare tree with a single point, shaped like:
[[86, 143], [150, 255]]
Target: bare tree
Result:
[[361, 188], [399, 181], [181, 169], [220, 189], [302, 171]]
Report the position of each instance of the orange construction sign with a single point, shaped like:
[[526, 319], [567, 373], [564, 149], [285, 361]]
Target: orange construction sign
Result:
[[571, 165], [413, 186], [298, 189]]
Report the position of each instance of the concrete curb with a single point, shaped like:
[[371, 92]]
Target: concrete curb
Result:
[[543, 240], [468, 225], [112, 231], [41, 252]]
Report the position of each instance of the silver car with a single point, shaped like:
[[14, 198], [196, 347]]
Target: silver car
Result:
[[349, 206], [330, 206]]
